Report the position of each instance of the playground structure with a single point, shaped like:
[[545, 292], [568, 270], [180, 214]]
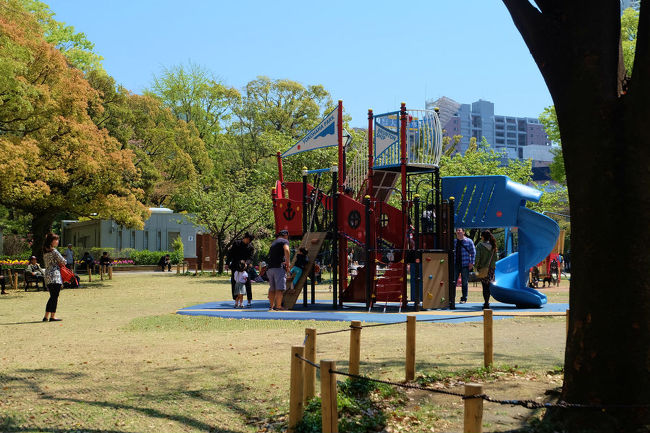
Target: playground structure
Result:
[[410, 224]]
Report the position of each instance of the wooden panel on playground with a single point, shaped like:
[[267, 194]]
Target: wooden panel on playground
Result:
[[312, 241], [435, 280]]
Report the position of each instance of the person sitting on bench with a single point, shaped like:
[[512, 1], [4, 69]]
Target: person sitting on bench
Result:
[[165, 262], [34, 272]]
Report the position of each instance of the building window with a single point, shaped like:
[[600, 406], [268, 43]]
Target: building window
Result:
[[119, 240], [159, 241], [132, 239], [521, 153], [146, 240]]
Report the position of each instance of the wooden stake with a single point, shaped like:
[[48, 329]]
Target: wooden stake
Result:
[[329, 412], [16, 280], [310, 371], [296, 406], [355, 347], [90, 274], [110, 272], [410, 347], [473, 409], [101, 272], [487, 338]]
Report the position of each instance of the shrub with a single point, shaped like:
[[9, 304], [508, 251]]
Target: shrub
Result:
[[146, 257], [178, 254]]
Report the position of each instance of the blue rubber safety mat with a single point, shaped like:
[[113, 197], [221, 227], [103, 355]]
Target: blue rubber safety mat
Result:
[[322, 310]]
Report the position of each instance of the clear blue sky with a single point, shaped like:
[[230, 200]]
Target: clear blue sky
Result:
[[369, 54]]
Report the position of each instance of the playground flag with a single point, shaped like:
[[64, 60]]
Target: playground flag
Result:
[[324, 135], [384, 138]]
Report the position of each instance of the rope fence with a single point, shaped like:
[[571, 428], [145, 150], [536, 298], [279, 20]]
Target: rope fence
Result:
[[304, 366]]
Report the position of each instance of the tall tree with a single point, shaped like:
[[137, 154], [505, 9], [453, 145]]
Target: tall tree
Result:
[[195, 95], [602, 114], [75, 46], [53, 158]]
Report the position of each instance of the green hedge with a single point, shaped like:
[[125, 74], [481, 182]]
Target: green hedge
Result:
[[146, 257]]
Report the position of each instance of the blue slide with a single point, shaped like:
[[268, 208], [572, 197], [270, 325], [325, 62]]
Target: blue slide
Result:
[[497, 201]]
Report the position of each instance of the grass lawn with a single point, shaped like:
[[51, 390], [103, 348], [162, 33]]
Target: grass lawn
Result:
[[122, 361]]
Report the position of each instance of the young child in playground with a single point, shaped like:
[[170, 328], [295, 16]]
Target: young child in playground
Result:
[[240, 284], [299, 266]]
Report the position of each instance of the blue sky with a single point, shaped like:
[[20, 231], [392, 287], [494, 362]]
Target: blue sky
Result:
[[369, 54]]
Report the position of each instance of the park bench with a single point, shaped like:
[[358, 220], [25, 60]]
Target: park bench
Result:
[[32, 280]]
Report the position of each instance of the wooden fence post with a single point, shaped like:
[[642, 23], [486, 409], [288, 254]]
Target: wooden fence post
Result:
[[110, 272], [488, 347], [310, 371], [410, 347], [355, 347], [329, 411], [296, 406], [473, 409], [90, 274], [101, 272], [15, 283], [567, 322]]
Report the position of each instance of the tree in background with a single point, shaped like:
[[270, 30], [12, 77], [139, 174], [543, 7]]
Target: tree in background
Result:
[[195, 95], [53, 158], [602, 114], [77, 49]]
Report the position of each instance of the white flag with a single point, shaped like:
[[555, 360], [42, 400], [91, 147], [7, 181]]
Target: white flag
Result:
[[324, 135], [384, 138]]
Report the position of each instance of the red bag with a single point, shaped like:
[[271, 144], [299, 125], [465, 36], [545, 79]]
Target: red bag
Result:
[[66, 274]]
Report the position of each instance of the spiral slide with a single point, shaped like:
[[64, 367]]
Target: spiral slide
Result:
[[537, 236], [497, 201]]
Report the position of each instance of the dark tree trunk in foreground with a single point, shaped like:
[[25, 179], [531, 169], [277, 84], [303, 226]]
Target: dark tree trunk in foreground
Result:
[[41, 225], [605, 125]]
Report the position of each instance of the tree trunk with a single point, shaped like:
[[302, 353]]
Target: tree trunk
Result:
[[41, 225], [221, 251], [606, 147]]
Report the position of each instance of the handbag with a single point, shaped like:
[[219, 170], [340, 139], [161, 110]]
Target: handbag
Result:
[[66, 274]]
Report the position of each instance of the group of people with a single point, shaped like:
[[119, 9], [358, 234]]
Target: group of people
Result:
[[277, 271], [481, 257]]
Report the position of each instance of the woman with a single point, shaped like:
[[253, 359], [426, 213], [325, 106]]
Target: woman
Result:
[[486, 257], [53, 259]]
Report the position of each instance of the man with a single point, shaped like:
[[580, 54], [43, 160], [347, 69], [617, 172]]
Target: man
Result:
[[69, 258], [464, 254], [165, 262], [35, 272], [278, 271], [241, 249]]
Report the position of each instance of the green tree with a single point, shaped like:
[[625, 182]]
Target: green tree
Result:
[[76, 47], [169, 154], [196, 96], [602, 113], [53, 158], [227, 214]]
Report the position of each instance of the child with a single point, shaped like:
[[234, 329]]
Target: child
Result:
[[240, 284], [299, 266]]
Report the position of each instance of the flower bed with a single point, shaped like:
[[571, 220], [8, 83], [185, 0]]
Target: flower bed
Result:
[[14, 264]]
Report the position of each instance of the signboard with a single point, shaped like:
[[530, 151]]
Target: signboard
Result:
[[324, 135], [384, 138]]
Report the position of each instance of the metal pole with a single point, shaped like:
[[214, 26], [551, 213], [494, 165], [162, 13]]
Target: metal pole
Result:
[[450, 261], [280, 173], [403, 162], [370, 152], [339, 130], [335, 238], [418, 254], [369, 245], [437, 201]]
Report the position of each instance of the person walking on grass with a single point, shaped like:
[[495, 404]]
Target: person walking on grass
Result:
[[241, 278], [53, 260], [278, 271], [486, 258]]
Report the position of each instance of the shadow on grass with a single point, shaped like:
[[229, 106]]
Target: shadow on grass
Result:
[[233, 399]]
